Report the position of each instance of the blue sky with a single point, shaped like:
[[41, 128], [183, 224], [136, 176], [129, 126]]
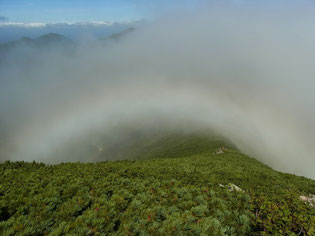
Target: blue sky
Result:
[[57, 11], [60, 11]]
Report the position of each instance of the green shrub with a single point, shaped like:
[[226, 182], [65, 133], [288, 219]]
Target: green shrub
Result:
[[170, 196]]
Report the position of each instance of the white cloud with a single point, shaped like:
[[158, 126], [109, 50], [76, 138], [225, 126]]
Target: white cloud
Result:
[[20, 24], [65, 24]]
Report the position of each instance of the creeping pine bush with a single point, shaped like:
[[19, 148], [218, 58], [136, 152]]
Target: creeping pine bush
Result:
[[170, 196], [108, 203]]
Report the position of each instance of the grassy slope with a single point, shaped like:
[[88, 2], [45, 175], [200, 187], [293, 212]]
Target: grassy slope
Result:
[[172, 145], [159, 195]]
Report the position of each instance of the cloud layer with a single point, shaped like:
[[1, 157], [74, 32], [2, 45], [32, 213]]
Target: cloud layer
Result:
[[245, 72], [77, 24], [75, 31]]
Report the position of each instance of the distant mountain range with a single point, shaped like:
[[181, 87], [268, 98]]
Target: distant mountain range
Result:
[[53, 42], [53, 39], [47, 40]]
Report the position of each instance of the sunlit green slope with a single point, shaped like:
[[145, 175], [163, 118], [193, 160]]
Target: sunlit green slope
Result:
[[179, 188]]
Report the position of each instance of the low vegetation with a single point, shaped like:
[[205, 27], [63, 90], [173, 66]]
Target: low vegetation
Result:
[[179, 194]]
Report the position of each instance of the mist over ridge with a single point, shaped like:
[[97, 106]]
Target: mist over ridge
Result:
[[246, 74]]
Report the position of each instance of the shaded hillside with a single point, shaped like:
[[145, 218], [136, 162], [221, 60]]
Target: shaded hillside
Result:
[[186, 195]]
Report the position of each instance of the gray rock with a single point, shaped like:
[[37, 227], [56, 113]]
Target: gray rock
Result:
[[232, 187], [310, 199]]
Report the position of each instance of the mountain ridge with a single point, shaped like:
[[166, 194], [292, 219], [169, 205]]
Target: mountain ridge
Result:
[[186, 193]]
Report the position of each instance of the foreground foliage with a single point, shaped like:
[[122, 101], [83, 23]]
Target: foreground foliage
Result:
[[169, 196]]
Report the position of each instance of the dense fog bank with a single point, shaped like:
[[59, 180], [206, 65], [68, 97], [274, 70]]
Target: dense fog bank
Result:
[[245, 72]]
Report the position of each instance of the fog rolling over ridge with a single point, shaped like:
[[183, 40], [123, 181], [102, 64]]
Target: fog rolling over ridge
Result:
[[246, 74]]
